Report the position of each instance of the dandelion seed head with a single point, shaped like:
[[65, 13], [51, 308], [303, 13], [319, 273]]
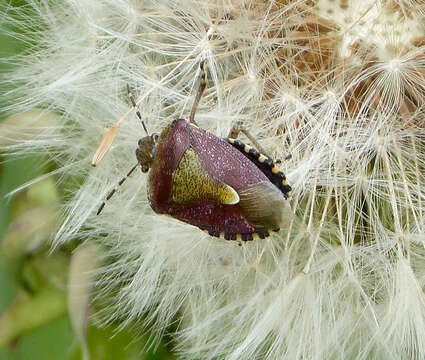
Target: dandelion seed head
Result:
[[394, 65], [372, 23], [341, 92]]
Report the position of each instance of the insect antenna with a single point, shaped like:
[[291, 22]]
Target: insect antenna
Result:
[[112, 192], [109, 137], [133, 103]]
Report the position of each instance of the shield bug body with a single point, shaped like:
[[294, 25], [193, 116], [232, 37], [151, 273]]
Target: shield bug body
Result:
[[220, 185]]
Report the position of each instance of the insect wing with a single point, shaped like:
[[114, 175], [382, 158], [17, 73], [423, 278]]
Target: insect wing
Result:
[[264, 206]]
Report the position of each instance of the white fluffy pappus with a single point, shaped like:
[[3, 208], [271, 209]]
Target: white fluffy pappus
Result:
[[341, 91]]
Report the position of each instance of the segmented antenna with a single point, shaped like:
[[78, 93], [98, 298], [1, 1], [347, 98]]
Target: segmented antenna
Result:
[[109, 137], [133, 103], [115, 189]]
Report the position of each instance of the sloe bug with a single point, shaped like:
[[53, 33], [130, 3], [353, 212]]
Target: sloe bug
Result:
[[219, 185]]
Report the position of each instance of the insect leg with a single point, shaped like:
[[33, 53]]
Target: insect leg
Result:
[[238, 128], [133, 103], [287, 157], [112, 192], [202, 86]]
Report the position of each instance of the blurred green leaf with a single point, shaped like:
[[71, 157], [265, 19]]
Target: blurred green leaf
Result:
[[28, 312], [8, 288], [110, 344], [12, 174], [51, 342]]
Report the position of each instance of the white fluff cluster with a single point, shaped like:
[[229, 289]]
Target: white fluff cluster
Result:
[[338, 85]]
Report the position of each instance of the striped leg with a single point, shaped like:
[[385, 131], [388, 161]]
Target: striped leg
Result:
[[202, 86], [238, 128]]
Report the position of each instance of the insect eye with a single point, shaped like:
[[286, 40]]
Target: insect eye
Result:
[[155, 137]]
